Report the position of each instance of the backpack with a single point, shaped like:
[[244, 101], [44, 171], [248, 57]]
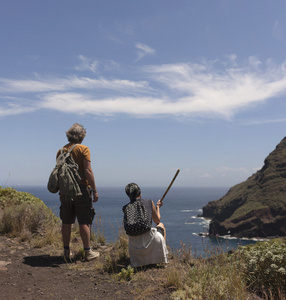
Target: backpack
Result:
[[65, 177], [135, 219]]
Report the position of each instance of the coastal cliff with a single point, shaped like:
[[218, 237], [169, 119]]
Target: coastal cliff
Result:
[[255, 207]]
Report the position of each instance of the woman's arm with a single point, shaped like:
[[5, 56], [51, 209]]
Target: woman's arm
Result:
[[90, 178], [156, 216]]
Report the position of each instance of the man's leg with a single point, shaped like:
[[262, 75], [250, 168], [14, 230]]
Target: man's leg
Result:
[[66, 236], [84, 231], [85, 236]]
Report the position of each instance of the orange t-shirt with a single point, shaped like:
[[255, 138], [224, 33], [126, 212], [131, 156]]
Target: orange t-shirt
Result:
[[79, 153]]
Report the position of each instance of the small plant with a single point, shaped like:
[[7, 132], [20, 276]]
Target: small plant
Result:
[[126, 274], [265, 267], [185, 254], [174, 278], [99, 235], [79, 255], [110, 264]]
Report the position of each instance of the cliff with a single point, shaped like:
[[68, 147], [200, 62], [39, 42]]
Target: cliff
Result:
[[255, 207]]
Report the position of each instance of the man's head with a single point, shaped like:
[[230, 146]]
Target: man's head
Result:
[[132, 190], [76, 133]]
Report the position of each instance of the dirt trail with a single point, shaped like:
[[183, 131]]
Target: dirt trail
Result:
[[28, 273]]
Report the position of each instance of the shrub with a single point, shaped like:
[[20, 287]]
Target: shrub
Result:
[[10, 197], [265, 267], [212, 277], [24, 215], [216, 278]]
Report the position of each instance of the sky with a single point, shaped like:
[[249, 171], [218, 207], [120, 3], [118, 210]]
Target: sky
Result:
[[160, 85]]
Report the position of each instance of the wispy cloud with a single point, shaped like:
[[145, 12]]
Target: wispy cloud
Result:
[[277, 31], [206, 175], [265, 121], [66, 84], [15, 109], [143, 50], [187, 89], [87, 64], [224, 171]]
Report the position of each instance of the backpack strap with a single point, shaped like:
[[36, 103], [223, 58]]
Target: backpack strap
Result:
[[72, 147]]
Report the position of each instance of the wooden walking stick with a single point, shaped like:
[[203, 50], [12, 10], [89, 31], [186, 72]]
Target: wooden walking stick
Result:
[[167, 190]]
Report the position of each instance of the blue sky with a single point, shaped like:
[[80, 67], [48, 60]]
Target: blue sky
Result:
[[161, 85]]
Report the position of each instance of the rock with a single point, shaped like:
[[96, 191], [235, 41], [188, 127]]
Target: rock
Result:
[[255, 207]]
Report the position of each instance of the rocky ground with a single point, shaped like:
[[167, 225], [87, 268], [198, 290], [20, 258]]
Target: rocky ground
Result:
[[29, 273]]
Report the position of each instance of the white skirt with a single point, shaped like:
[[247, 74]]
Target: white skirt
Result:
[[147, 249]]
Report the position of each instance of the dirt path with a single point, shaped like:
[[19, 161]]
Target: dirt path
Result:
[[28, 273]]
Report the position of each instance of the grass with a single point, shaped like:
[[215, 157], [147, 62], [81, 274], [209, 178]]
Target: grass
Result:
[[252, 270]]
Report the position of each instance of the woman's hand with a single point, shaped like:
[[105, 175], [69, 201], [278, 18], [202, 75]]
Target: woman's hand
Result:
[[159, 203]]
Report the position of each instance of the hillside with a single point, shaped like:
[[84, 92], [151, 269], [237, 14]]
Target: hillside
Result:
[[255, 207]]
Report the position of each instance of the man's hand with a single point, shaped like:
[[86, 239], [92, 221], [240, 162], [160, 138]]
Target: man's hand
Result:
[[95, 196]]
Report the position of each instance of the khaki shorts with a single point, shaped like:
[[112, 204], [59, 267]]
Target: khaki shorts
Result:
[[79, 208]]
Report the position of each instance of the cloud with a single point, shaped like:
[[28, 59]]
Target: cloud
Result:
[[206, 175], [65, 84], [87, 64], [277, 31], [206, 90], [76, 103], [14, 109], [143, 50], [265, 121], [223, 170], [203, 89]]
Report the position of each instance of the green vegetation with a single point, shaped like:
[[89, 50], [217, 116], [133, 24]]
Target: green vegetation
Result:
[[27, 217], [251, 270], [264, 265]]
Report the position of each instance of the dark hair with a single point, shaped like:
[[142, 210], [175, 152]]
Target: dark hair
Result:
[[132, 190]]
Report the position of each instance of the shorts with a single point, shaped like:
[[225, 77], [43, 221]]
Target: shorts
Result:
[[79, 208], [160, 229]]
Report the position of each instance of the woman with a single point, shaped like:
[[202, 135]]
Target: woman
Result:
[[150, 247]]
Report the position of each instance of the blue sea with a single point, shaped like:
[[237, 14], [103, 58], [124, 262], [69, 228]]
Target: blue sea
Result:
[[179, 214]]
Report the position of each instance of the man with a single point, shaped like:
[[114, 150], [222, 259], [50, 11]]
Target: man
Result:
[[79, 207]]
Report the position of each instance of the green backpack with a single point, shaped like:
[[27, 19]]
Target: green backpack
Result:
[[65, 177]]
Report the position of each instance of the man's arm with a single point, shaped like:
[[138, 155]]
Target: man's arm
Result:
[[90, 177]]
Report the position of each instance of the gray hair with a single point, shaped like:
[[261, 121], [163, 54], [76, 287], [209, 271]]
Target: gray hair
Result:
[[76, 133]]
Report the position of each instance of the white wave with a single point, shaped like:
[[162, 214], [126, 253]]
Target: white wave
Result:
[[204, 223], [191, 210], [229, 237], [201, 234]]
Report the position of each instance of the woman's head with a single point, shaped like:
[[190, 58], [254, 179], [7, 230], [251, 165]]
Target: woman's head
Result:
[[76, 133], [132, 190]]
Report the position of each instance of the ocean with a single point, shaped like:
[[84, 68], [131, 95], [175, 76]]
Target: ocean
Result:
[[179, 214]]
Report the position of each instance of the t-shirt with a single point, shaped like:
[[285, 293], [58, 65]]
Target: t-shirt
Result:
[[79, 153]]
